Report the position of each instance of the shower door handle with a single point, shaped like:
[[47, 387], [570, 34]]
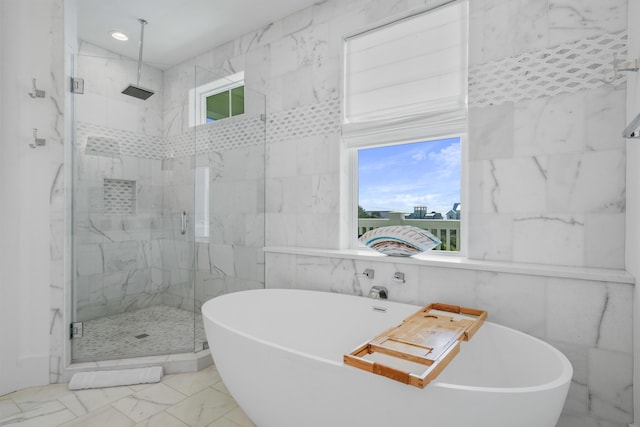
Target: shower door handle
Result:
[[184, 220]]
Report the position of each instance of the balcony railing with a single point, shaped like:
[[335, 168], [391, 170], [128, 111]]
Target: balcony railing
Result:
[[447, 230]]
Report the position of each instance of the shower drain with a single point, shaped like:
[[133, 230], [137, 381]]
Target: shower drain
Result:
[[141, 336]]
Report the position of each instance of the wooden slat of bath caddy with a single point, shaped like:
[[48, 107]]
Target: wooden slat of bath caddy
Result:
[[429, 337]]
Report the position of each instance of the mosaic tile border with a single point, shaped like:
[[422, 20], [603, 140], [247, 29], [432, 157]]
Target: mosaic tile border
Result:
[[219, 136], [567, 68], [309, 120], [105, 141]]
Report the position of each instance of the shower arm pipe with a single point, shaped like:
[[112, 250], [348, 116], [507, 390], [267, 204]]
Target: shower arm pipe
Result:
[[142, 24]]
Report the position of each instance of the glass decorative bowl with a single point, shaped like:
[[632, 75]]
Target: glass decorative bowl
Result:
[[399, 240]]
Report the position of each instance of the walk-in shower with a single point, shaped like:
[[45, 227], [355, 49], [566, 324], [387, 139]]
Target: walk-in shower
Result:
[[165, 214]]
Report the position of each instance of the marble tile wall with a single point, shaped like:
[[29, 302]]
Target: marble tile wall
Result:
[[546, 182], [116, 138], [231, 257], [547, 172], [568, 208], [136, 260]]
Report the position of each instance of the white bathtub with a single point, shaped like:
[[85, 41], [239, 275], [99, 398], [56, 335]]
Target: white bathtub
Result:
[[280, 352]]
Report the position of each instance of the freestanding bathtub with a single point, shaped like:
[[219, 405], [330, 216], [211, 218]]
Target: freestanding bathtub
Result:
[[280, 354]]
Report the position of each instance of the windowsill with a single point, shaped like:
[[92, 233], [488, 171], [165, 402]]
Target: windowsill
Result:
[[463, 263]]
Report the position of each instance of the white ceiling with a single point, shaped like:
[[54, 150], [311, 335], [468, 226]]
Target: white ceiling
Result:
[[176, 29]]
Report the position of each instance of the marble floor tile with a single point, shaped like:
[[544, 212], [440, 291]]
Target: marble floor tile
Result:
[[163, 419], [107, 417], [193, 382], [148, 402], [8, 408], [236, 417], [179, 400], [51, 413], [203, 408]]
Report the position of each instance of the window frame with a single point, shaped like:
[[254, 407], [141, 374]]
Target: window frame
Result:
[[396, 131], [198, 97], [353, 189]]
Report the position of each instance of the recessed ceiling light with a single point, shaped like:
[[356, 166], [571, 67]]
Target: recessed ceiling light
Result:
[[119, 36]]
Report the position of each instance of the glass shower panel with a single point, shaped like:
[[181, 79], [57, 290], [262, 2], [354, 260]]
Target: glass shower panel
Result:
[[133, 292], [229, 193]]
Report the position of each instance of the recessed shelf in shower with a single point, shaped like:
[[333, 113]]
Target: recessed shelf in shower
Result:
[[119, 196]]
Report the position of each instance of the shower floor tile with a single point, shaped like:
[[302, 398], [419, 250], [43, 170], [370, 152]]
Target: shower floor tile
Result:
[[146, 332]]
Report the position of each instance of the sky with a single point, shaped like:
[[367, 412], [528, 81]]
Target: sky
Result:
[[399, 177]]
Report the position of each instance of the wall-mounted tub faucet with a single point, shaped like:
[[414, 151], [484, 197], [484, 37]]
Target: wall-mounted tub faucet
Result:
[[368, 273], [378, 292]]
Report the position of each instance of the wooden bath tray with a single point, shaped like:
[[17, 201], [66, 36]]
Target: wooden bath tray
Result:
[[416, 351]]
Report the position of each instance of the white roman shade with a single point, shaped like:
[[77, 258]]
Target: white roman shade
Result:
[[407, 77]]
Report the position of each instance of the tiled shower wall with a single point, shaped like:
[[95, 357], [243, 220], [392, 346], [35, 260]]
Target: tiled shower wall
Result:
[[546, 174], [118, 186], [134, 178]]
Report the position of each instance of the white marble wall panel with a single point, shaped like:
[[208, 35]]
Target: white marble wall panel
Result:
[[550, 125], [575, 19], [106, 75]]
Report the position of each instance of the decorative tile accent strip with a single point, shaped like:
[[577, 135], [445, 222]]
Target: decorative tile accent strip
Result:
[[222, 135], [115, 142], [570, 67], [100, 146], [119, 196], [309, 120]]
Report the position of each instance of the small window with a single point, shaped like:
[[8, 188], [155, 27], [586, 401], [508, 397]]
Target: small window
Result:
[[217, 100]]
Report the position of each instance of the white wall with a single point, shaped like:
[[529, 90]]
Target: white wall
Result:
[[29, 48], [633, 193]]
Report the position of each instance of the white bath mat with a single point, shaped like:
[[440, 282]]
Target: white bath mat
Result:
[[100, 379]]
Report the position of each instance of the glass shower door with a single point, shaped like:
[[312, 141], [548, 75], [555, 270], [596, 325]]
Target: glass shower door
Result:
[[132, 284], [229, 168]]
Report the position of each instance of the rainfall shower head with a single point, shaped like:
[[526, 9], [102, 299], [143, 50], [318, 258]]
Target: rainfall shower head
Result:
[[136, 90]]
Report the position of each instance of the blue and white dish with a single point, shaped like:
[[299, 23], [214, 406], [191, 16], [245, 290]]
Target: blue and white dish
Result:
[[400, 240]]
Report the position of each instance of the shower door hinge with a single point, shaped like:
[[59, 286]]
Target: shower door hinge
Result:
[[77, 85], [75, 330]]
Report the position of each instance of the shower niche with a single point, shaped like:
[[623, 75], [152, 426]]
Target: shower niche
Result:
[[166, 215]]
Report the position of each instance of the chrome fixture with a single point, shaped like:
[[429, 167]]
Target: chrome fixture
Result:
[[368, 273], [77, 85], [37, 142], [184, 220], [136, 90], [378, 292], [633, 130], [398, 277], [36, 93], [633, 65]]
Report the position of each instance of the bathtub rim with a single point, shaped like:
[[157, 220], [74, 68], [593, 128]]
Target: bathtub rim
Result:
[[563, 379]]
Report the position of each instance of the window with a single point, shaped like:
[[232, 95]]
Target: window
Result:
[[404, 123], [415, 184], [216, 100]]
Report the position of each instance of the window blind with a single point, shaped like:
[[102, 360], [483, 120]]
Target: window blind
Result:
[[407, 75]]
